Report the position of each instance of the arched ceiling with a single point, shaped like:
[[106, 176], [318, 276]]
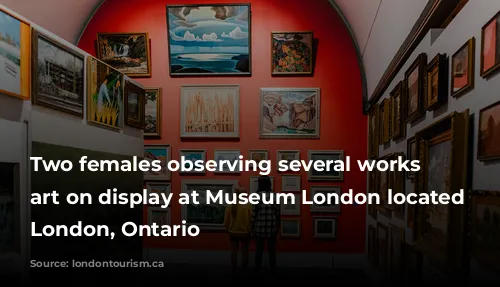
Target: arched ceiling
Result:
[[379, 26]]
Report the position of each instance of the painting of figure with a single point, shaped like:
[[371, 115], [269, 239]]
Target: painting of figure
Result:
[[290, 113], [210, 111], [15, 45], [126, 52], [489, 132], [105, 94], [58, 76], [209, 39], [152, 118], [292, 53], [161, 153]]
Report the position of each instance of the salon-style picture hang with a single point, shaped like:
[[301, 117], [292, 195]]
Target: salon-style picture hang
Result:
[[490, 47], [462, 64], [414, 85]]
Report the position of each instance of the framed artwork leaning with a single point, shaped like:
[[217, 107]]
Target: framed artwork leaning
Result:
[[462, 69], [161, 153], [15, 45], [290, 113], [129, 53], [398, 122], [330, 158], [437, 82], [135, 105], [152, 113], [414, 84], [291, 53], [58, 76], [489, 133], [490, 47], [209, 39], [290, 227]]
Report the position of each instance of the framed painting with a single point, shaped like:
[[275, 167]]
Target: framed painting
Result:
[[158, 215], [135, 105], [372, 245], [292, 53], [372, 188], [152, 113], [161, 153], [398, 121], [485, 235], [490, 47], [209, 40], [210, 111], [414, 84], [373, 145], [382, 247], [226, 159], [258, 155], [329, 157], [290, 227], [15, 53], [396, 240], [325, 190], [254, 183], [291, 209], [289, 113], [206, 216], [397, 185], [325, 227], [190, 157], [489, 133], [437, 82], [287, 156], [462, 65], [104, 94], [58, 76], [384, 116], [413, 154], [158, 188], [290, 183], [129, 53], [411, 219]]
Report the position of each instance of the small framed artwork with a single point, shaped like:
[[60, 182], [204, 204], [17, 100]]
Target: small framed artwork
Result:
[[329, 157], [135, 105], [411, 215], [291, 183], [152, 113], [490, 47], [258, 155], [254, 183], [190, 157], [414, 86], [291, 53], [127, 52], [412, 152], [158, 188], [226, 161], [462, 69], [158, 215], [292, 208], [398, 122], [372, 188], [383, 130], [397, 237], [437, 82], [322, 192], [383, 246], [325, 227], [290, 227], [287, 156], [161, 153], [373, 145], [489, 133], [372, 245]]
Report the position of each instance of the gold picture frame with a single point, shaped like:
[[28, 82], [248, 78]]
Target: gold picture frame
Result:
[[398, 120], [385, 121], [437, 82], [463, 57], [414, 84]]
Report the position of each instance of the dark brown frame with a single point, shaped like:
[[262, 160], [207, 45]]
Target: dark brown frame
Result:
[[470, 45], [336, 227], [34, 71], [273, 73], [419, 63], [372, 250], [131, 87], [384, 116], [373, 139], [439, 65], [409, 142], [384, 264], [489, 72], [398, 133], [373, 186], [397, 185], [159, 95], [479, 141]]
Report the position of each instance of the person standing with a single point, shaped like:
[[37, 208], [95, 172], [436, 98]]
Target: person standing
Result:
[[265, 224]]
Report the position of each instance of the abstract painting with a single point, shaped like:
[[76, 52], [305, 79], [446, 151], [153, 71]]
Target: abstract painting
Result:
[[15, 45], [209, 39], [325, 190], [126, 52], [58, 76], [134, 105], [490, 48], [290, 227], [158, 188], [152, 119], [291, 53], [160, 216], [210, 111], [192, 155], [290, 113], [254, 183], [225, 157], [329, 157], [325, 227], [104, 94], [161, 153], [489, 132], [462, 65], [291, 208], [258, 155]]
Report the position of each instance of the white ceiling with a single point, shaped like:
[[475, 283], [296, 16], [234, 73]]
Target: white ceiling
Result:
[[380, 26]]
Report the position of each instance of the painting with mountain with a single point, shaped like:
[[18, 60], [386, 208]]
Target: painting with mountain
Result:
[[209, 39]]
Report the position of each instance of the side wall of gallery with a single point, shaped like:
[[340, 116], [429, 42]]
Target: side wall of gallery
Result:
[[466, 25], [336, 73]]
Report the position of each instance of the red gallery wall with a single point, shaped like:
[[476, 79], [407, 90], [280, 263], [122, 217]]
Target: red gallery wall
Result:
[[343, 126]]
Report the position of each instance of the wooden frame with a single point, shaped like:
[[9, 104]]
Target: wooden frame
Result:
[[312, 177], [470, 46], [409, 143], [130, 34], [167, 210], [397, 185], [385, 121], [294, 189], [159, 112], [372, 245], [492, 125], [491, 70], [254, 180], [411, 215], [373, 188], [398, 102], [147, 175], [373, 132], [383, 247], [437, 70], [297, 205], [141, 102], [325, 189], [418, 64], [311, 56], [294, 220], [25, 61], [383, 207], [151, 184], [396, 266], [203, 158], [332, 235], [217, 151]]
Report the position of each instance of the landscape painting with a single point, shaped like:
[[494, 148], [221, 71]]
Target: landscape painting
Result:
[[291, 53], [15, 45], [229, 156], [161, 153], [290, 113], [135, 106], [126, 52], [489, 133], [210, 111], [192, 155], [152, 113], [209, 39], [105, 94], [58, 76], [158, 188]]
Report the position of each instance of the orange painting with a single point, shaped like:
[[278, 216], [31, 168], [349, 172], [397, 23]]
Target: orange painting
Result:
[[489, 45]]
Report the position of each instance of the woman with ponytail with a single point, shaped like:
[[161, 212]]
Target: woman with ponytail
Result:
[[237, 223]]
